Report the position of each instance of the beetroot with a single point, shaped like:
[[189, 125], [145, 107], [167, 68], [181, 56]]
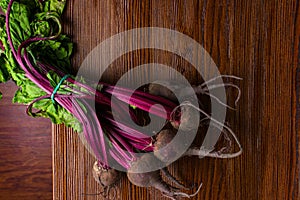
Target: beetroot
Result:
[[163, 138], [171, 178], [167, 89], [152, 178], [183, 116], [188, 119], [223, 152], [105, 177]]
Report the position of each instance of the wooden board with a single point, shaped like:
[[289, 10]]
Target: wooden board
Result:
[[255, 40], [25, 151]]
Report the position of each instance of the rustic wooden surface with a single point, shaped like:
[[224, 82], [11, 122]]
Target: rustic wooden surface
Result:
[[25, 151], [256, 40]]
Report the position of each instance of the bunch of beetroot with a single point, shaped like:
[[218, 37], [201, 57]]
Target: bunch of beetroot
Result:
[[161, 155], [36, 56]]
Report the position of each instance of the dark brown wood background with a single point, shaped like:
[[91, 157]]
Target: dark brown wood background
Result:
[[25, 151], [256, 40]]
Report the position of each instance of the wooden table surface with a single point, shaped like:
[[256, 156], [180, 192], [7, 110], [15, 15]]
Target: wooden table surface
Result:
[[25, 151], [256, 40]]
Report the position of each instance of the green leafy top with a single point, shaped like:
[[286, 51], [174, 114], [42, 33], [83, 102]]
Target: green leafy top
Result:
[[32, 18]]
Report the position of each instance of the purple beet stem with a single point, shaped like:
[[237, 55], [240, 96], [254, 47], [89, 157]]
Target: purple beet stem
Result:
[[129, 139]]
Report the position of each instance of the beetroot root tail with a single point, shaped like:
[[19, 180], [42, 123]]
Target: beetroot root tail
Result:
[[170, 177], [182, 194], [167, 191]]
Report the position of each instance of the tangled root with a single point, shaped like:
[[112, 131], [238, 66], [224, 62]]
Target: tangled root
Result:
[[170, 177], [106, 193]]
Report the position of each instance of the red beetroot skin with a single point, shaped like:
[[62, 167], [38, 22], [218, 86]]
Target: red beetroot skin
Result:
[[163, 138], [152, 179], [105, 177]]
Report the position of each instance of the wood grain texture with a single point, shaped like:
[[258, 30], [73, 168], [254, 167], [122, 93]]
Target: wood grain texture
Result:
[[25, 151], [255, 40]]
